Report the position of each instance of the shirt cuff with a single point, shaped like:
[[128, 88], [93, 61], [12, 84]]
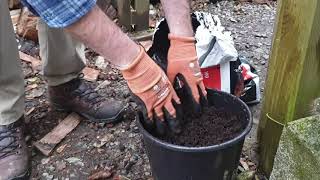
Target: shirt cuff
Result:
[[61, 14]]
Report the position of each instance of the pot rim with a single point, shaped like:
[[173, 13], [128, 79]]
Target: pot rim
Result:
[[216, 147]]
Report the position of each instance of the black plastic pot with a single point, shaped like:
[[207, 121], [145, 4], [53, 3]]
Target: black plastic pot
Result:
[[172, 162]]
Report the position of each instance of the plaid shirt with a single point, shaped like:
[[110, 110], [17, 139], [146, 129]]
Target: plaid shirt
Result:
[[59, 13]]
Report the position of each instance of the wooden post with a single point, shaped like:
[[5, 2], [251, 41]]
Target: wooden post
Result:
[[133, 14], [140, 16], [293, 80], [124, 13]]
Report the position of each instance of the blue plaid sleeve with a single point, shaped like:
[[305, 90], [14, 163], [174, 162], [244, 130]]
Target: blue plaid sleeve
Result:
[[60, 13]]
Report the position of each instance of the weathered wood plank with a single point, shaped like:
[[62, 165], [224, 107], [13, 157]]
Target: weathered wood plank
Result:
[[47, 144], [124, 13], [294, 73], [133, 13]]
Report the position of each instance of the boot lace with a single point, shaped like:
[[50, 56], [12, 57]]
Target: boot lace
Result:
[[12, 145], [88, 93]]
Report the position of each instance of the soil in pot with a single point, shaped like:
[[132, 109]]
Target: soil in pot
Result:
[[214, 126]]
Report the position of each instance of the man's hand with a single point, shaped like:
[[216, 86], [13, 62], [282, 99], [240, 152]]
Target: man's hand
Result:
[[153, 91], [182, 60]]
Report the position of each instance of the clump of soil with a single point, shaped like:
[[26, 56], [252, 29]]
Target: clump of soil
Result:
[[212, 127]]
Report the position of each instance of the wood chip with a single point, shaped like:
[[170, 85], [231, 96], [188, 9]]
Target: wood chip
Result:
[[61, 148], [90, 74], [15, 14], [30, 111], [103, 174], [244, 164], [53, 138], [120, 177]]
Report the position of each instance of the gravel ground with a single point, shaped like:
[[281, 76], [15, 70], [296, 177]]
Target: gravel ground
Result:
[[118, 149]]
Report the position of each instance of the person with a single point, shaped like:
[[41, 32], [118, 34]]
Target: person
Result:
[[68, 23]]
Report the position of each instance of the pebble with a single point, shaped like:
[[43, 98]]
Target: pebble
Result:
[[126, 93], [259, 50], [136, 129], [122, 147], [100, 62], [76, 161], [129, 165], [51, 168], [28, 137], [133, 105], [107, 138], [103, 85], [45, 161], [266, 57], [61, 165], [47, 176], [233, 20]]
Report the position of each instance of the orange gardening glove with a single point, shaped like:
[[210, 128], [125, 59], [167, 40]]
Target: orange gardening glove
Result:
[[150, 84], [183, 60]]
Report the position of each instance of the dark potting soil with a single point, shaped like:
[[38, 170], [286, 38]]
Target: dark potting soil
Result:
[[211, 128]]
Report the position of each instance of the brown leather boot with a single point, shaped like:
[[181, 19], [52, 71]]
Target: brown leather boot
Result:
[[79, 96], [14, 157]]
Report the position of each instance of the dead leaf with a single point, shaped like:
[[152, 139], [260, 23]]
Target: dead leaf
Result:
[[35, 63], [31, 86], [33, 79], [103, 174], [35, 93], [27, 25]]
